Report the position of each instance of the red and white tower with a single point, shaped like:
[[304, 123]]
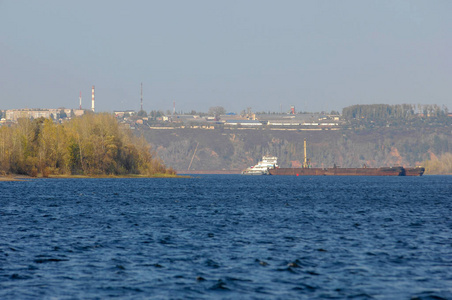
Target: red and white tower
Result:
[[92, 99]]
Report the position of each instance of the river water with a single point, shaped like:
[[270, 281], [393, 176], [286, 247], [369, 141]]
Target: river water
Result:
[[227, 237]]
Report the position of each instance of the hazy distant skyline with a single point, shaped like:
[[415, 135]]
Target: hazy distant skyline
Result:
[[316, 55]]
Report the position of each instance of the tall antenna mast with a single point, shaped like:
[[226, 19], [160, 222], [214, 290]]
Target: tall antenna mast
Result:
[[141, 96]]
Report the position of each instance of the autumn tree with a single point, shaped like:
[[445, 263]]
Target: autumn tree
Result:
[[94, 144]]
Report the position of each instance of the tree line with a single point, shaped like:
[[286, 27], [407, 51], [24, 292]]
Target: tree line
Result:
[[398, 111], [94, 144]]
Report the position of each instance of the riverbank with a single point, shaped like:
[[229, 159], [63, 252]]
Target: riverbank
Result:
[[216, 172], [117, 176], [22, 177], [14, 178]]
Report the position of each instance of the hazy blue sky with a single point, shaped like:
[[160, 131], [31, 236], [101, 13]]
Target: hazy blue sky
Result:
[[316, 55]]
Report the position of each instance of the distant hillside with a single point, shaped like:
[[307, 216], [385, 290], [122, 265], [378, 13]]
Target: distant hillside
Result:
[[225, 149]]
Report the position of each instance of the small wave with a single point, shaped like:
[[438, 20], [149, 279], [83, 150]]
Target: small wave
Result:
[[360, 296], [19, 277], [237, 279], [48, 260], [430, 295], [220, 285], [261, 262], [211, 263], [305, 287], [288, 269]]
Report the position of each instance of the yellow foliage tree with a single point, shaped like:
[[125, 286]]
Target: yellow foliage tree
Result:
[[94, 144], [439, 165]]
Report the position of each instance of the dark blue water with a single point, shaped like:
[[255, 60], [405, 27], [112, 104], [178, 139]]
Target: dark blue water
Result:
[[227, 237]]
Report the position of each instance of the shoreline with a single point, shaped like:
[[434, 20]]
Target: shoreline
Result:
[[182, 174], [14, 178], [216, 172], [24, 177]]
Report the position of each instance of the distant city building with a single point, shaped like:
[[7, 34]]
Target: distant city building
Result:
[[298, 120], [122, 113], [243, 122], [54, 113], [15, 114], [237, 117], [68, 112], [78, 112]]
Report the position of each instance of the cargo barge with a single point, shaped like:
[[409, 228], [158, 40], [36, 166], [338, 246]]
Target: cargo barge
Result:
[[384, 171], [306, 170], [417, 171]]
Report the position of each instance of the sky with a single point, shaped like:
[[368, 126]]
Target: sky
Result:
[[268, 55]]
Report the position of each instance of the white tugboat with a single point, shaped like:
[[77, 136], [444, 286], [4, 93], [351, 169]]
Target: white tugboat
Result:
[[262, 167]]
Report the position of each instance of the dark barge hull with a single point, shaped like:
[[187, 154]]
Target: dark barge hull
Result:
[[418, 171], [384, 171]]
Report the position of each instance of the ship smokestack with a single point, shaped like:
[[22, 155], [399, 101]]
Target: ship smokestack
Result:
[[92, 99]]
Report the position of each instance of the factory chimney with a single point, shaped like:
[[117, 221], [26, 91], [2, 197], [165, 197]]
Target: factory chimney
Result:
[[92, 99], [141, 96], [80, 98]]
